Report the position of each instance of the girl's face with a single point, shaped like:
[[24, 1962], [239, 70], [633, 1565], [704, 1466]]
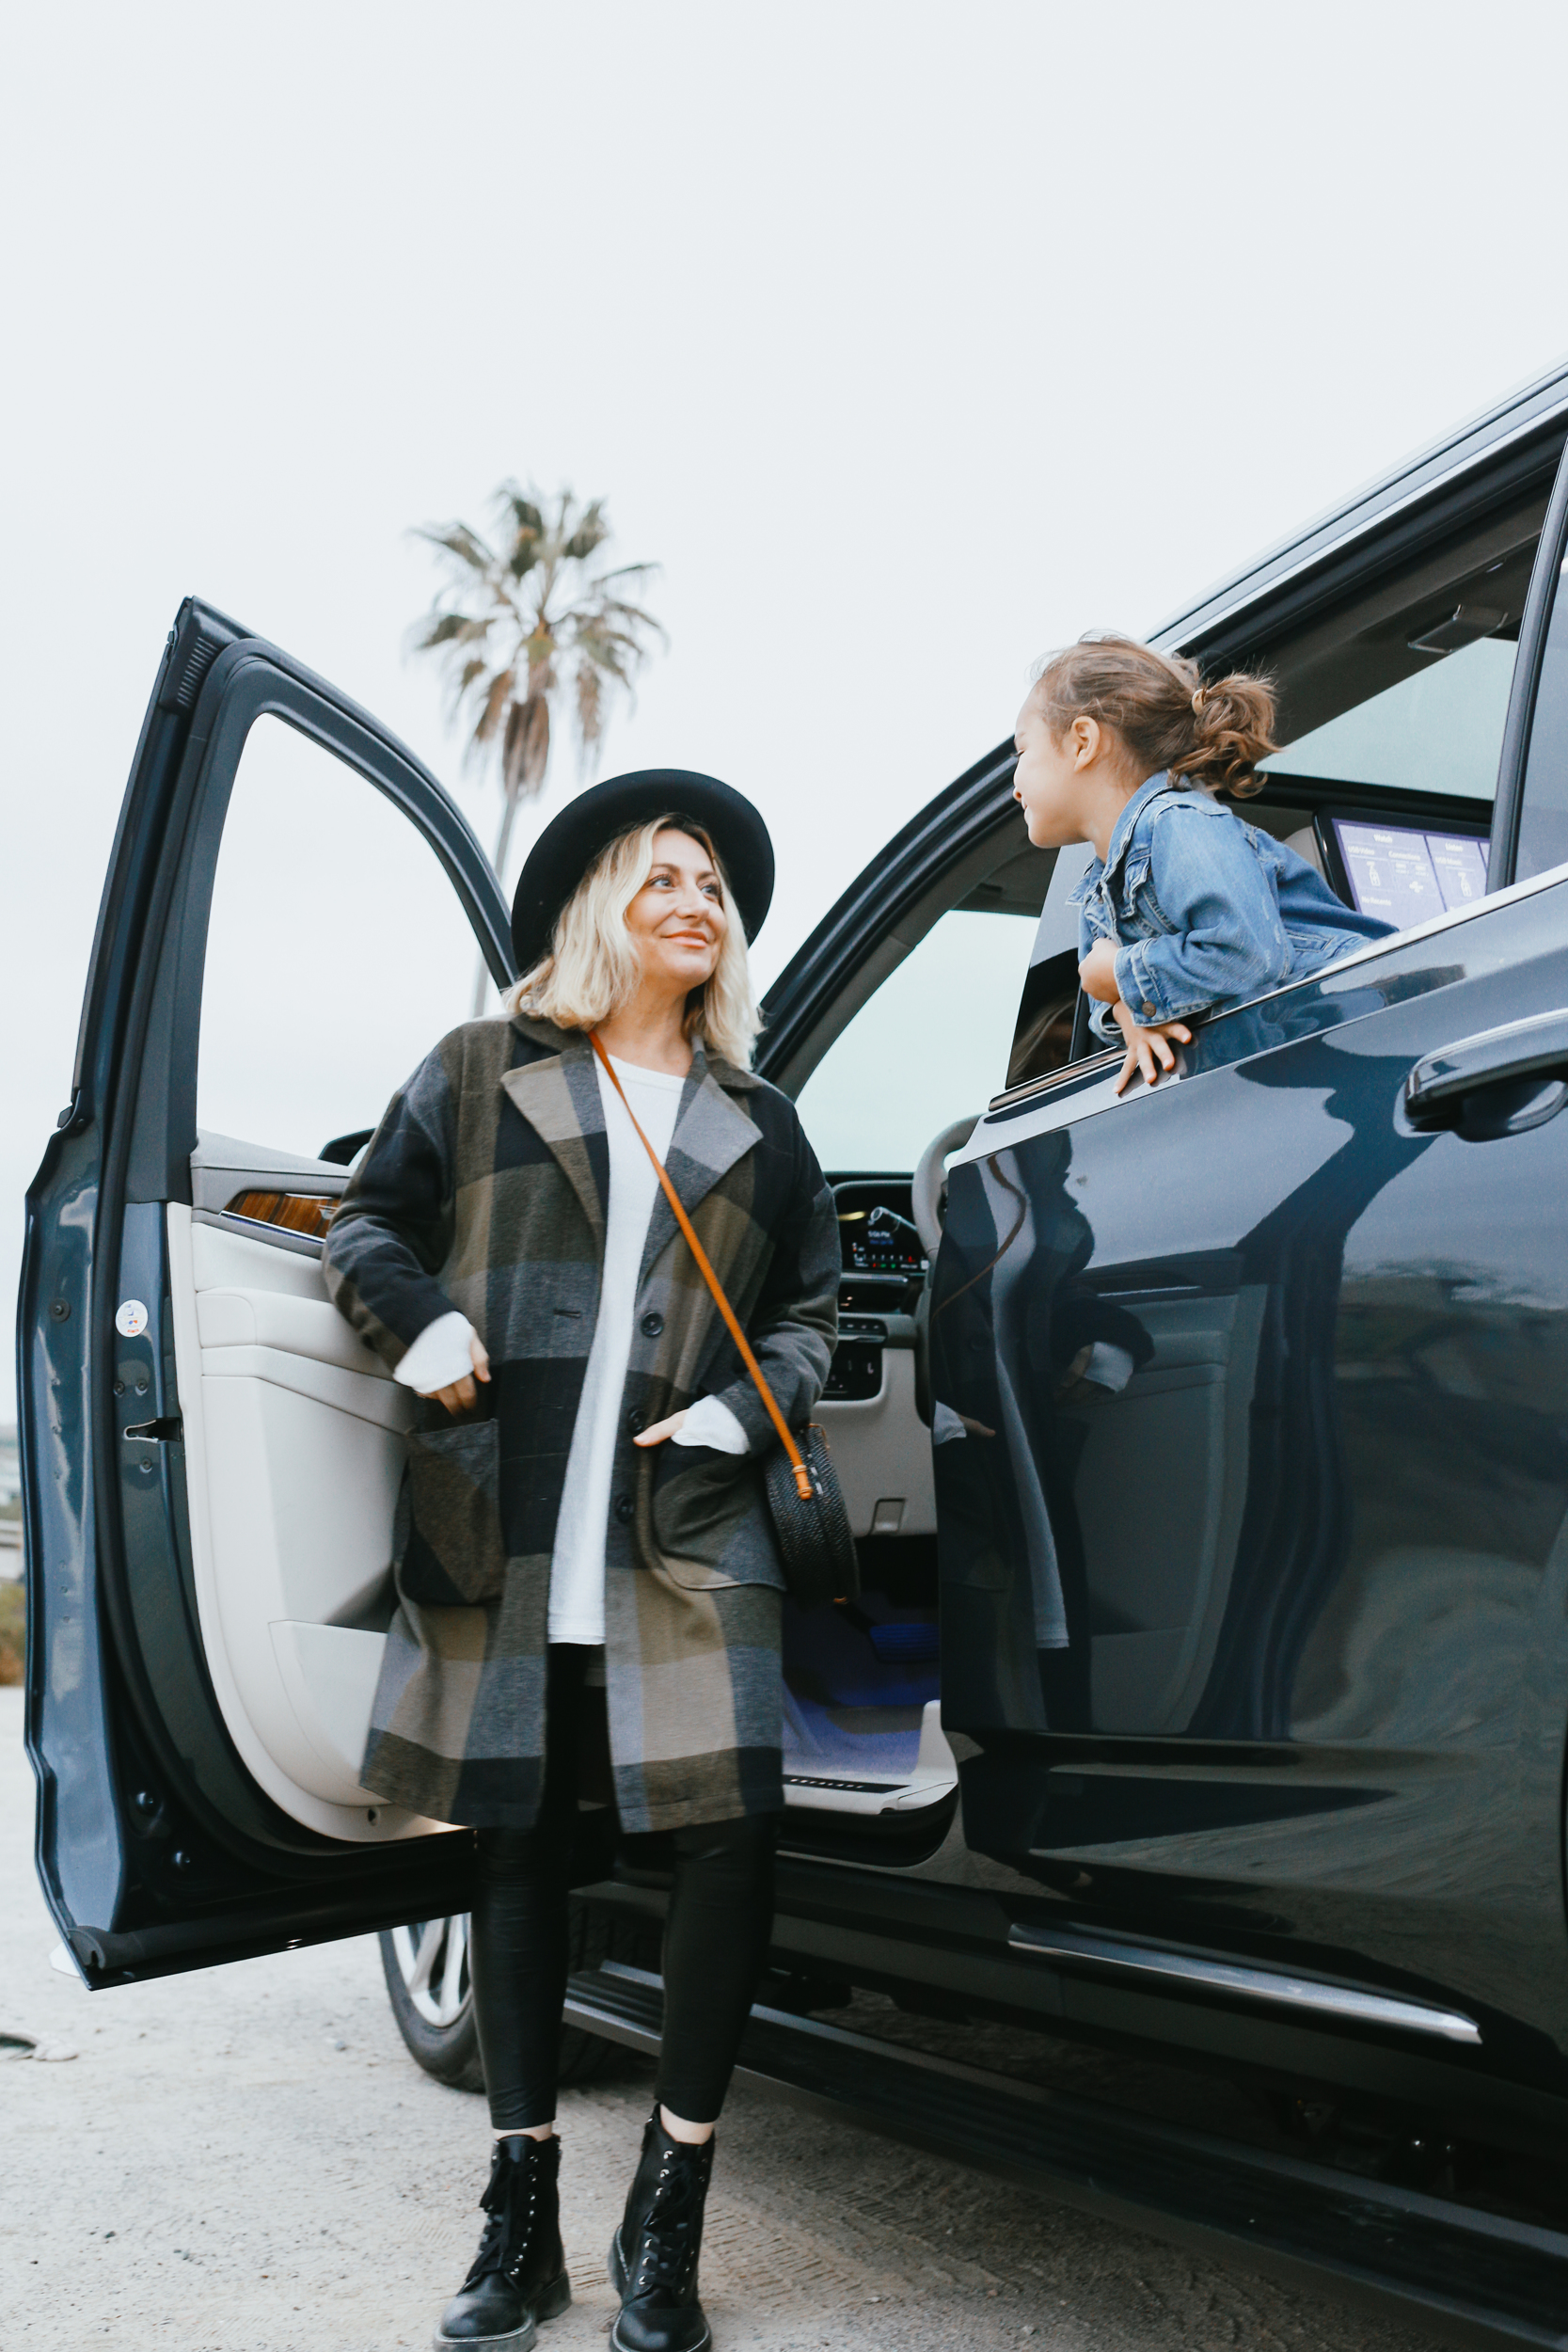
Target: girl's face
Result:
[[677, 919], [1048, 780]]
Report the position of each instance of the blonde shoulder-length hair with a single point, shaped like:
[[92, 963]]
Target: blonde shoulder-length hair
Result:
[[593, 966]]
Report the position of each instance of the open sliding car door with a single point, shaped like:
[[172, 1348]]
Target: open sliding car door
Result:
[[210, 1455]]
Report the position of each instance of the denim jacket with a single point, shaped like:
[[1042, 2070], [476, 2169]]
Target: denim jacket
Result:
[[1207, 911]]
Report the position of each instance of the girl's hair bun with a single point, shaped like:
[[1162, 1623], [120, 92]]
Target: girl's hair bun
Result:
[[1208, 732]]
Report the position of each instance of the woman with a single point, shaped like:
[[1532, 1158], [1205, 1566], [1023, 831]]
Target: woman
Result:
[[581, 1535]]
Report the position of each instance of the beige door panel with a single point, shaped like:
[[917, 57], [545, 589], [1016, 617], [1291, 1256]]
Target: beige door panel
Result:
[[881, 1451], [294, 1459]]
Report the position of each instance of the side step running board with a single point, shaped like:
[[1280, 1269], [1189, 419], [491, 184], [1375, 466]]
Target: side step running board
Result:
[[1422, 2259]]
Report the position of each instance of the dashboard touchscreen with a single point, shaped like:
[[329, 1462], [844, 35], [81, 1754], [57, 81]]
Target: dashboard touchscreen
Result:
[[1406, 874]]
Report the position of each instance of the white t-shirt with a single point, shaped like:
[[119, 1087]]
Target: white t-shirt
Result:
[[440, 1356], [576, 1571]]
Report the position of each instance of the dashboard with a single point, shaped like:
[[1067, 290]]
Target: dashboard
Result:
[[874, 1228], [883, 1273], [1405, 873]]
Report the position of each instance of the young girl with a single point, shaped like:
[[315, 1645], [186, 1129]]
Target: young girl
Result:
[[1184, 908]]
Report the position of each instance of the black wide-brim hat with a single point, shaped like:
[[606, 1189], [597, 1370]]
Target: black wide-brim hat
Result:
[[566, 848]]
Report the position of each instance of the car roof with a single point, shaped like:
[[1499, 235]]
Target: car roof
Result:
[[1524, 412]]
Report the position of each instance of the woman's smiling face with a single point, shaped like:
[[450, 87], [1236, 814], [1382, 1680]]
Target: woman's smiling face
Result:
[[677, 919]]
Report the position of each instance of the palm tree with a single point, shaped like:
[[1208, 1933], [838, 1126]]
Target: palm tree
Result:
[[512, 618]]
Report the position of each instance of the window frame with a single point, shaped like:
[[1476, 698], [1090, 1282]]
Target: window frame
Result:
[[246, 682], [1534, 629]]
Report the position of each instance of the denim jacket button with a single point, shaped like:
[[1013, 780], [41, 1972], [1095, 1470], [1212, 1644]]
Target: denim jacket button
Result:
[[1149, 1011]]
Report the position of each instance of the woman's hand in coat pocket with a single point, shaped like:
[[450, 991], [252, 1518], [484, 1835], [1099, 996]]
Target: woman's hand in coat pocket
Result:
[[660, 1430], [459, 1395]]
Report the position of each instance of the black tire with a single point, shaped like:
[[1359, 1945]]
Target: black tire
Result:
[[445, 2043], [440, 2032]]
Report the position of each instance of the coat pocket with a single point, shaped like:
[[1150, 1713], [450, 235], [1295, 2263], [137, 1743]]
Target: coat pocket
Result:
[[450, 1553], [710, 1522]]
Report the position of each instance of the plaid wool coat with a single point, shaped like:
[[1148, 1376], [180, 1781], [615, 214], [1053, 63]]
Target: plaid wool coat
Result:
[[486, 1188]]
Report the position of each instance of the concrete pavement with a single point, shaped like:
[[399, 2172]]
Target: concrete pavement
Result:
[[246, 2160]]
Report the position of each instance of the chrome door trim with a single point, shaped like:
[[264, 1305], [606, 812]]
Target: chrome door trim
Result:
[[1108, 1955]]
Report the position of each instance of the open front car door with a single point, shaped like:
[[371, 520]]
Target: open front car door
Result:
[[211, 1458]]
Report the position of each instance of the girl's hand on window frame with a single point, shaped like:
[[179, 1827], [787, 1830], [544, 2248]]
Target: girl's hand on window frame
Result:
[[1147, 1048]]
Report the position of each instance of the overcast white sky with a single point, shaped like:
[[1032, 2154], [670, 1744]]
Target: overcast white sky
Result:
[[911, 339]]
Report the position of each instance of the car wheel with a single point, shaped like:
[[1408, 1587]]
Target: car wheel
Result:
[[427, 1966]]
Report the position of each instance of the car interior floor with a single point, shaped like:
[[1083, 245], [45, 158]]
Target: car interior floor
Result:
[[860, 1675]]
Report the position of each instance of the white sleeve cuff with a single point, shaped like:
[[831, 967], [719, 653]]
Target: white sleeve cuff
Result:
[[439, 1355], [1109, 1366], [710, 1422]]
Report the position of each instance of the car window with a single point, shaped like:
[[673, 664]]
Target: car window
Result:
[[1440, 730], [1403, 684], [1042, 1034], [1543, 817], [336, 951], [931, 1046]]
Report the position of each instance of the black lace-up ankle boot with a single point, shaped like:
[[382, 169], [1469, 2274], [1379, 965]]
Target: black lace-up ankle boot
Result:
[[519, 2273], [653, 2255]]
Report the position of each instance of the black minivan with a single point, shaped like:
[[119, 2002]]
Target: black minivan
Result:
[[1207, 1446]]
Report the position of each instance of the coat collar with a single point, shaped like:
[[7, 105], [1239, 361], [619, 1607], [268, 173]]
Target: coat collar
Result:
[[712, 1133], [1095, 874], [558, 1094], [1126, 824]]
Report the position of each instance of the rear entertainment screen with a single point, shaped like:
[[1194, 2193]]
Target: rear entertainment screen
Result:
[[1407, 875]]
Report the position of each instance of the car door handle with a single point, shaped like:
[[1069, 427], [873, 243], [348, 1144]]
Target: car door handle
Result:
[[1520, 1049]]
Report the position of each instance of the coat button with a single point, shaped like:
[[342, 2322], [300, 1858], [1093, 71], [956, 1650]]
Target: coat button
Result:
[[637, 1423], [653, 1324], [625, 1509]]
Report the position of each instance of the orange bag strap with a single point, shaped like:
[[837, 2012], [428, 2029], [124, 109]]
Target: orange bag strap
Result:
[[796, 1461]]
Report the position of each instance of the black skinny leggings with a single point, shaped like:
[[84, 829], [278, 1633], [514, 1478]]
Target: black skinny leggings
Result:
[[716, 1935]]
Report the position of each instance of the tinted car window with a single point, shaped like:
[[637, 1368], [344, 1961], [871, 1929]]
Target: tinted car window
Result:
[[1403, 686], [1042, 1038], [931, 1046], [1439, 731]]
